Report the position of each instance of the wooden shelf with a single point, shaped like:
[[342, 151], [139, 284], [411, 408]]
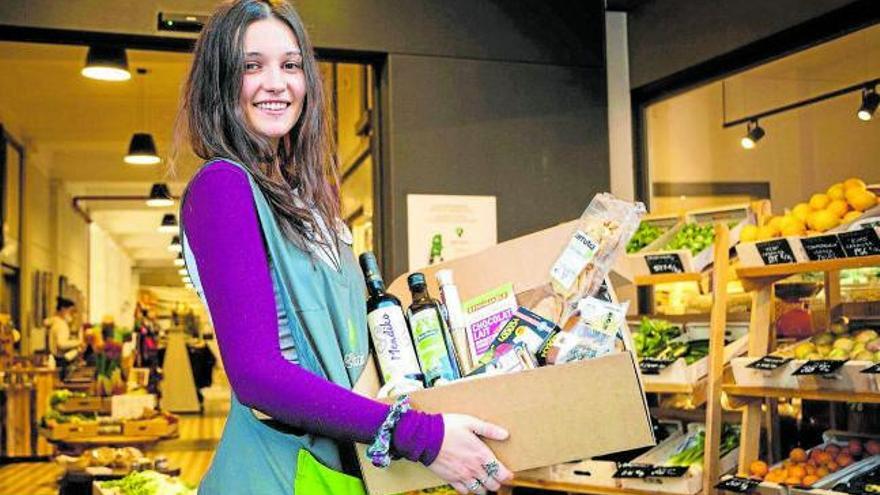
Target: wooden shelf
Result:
[[821, 395], [573, 487], [763, 275], [666, 278]]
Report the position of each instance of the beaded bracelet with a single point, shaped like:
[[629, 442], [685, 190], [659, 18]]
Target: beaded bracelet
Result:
[[379, 452]]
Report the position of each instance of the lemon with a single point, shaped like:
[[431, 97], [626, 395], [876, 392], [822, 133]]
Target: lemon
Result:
[[836, 191], [819, 201], [749, 233], [767, 232], [854, 183], [792, 225], [823, 220], [801, 210], [839, 207], [775, 222], [861, 199], [849, 217]]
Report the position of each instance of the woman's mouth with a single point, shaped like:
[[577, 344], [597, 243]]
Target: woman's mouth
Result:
[[275, 107]]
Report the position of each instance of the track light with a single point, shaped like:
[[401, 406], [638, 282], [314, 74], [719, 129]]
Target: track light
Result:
[[179, 260], [106, 63], [870, 100], [753, 135], [169, 224], [160, 196], [175, 246]]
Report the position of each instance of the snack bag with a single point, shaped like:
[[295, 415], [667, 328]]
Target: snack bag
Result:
[[602, 233], [597, 330]]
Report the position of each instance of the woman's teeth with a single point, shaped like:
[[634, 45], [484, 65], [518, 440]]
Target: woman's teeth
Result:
[[272, 105]]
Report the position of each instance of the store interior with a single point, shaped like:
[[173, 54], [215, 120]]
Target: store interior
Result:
[[78, 225]]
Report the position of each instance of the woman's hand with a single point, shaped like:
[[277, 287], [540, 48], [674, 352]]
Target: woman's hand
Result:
[[463, 457]]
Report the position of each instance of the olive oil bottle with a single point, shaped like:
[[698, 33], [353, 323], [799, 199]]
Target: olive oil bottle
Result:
[[430, 334]]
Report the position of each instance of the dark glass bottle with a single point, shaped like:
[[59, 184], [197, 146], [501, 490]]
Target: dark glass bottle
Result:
[[430, 335], [388, 329]]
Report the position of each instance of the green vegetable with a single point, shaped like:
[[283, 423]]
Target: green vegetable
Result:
[[644, 235], [149, 483], [693, 237], [691, 450]]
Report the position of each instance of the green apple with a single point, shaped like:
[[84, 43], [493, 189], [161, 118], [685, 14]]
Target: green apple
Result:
[[866, 335], [838, 353], [863, 356], [803, 349], [844, 343]]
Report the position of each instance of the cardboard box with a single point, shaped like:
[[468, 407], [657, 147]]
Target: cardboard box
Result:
[[586, 409]]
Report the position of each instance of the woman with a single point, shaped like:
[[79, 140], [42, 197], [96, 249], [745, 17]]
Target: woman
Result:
[[265, 247]]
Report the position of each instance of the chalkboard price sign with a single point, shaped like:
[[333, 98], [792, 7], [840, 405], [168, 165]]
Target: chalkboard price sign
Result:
[[873, 370], [736, 484], [664, 263], [768, 363], [667, 471], [651, 366], [862, 242], [637, 471], [776, 252], [823, 247], [819, 367]]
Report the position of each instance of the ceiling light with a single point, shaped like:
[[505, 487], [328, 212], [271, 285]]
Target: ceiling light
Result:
[[175, 246], [142, 150], [870, 100], [182, 271], [179, 260], [754, 134], [186, 280], [189, 286], [106, 63], [160, 196], [169, 224]]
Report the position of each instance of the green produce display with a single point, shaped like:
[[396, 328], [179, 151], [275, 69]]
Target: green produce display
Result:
[[660, 339], [644, 235], [148, 483], [690, 451], [693, 237], [840, 343]]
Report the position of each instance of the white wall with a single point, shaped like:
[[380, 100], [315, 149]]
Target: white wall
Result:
[[112, 286]]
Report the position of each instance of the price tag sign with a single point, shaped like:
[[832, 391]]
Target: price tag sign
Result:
[[651, 366], [862, 242], [738, 485], [632, 471], [776, 252], [664, 263], [768, 363], [667, 472], [819, 367], [872, 370], [823, 247]]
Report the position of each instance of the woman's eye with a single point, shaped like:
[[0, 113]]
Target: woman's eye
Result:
[[251, 66], [292, 66]]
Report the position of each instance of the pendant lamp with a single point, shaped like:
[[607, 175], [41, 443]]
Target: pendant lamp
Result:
[[160, 195], [179, 260], [142, 150], [106, 63], [175, 246], [169, 224]]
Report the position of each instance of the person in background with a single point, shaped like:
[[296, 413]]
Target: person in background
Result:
[[266, 249], [62, 346]]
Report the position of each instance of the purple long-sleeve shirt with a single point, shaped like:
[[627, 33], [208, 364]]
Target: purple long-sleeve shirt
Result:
[[223, 230]]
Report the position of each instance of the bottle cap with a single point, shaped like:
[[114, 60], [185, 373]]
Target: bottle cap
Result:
[[416, 279], [444, 277], [369, 265]]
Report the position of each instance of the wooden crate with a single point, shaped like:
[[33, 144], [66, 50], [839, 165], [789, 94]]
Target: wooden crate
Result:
[[155, 427], [68, 431], [91, 404]]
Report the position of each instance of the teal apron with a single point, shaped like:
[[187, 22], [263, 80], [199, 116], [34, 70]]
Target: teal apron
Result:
[[326, 317]]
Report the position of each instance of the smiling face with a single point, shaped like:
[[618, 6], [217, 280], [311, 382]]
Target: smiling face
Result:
[[274, 85]]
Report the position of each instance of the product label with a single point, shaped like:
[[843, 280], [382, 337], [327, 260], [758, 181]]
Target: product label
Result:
[[775, 252], [431, 346], [768, 363], [822, 247], [651, 366], [862, 242], [664, 263], [580, 251], [819, 367], [738, 485], [394, 348], [525, 328], [485, 314]]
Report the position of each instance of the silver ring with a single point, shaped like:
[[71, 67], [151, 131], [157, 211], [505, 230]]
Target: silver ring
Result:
[[492, 467], [474, 485]]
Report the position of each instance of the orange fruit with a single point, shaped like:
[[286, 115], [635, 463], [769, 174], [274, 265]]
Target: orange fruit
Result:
[[809, 480], [854, 183], [836, 191], [819, 201], [833, 449], [850, 216], [844, 460], [797, 472], [832, 466], [801, 210], [825, 457], [839, 207], [758, 468], [792, 480], [811, 469], [798, 455], [822, 472], [862, 200]]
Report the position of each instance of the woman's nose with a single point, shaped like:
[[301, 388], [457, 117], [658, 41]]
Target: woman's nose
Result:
[[274, 80]]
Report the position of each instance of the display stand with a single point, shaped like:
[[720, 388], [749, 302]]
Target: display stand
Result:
[[707, 390], [760, 281]]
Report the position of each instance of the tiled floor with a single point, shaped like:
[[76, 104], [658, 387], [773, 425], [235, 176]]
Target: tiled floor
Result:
[[192, 451]]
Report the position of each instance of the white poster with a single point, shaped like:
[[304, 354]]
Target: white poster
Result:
[[443, 227]]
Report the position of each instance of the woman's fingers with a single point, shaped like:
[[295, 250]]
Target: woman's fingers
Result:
[[458, 487], [488, 430]]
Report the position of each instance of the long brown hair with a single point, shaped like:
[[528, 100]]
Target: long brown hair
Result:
[[212, 121]]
